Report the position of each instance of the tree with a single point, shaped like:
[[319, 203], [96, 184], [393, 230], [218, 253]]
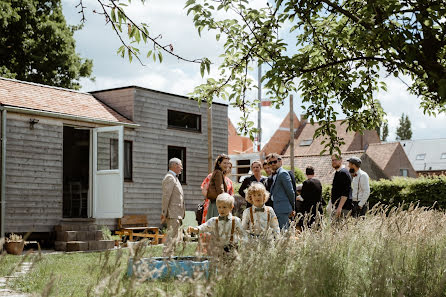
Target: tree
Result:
[[404, 130], [385, 132], [337, 57], [36, 44]]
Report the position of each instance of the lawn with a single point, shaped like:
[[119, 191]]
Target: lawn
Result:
[[77, 274]]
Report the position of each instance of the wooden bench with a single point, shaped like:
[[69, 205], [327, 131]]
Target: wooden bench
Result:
[[137, 226]]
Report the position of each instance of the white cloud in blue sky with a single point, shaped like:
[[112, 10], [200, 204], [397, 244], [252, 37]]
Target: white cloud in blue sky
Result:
[[98, 42]]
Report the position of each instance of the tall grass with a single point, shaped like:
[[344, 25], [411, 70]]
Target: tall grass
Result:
[[389, 252]]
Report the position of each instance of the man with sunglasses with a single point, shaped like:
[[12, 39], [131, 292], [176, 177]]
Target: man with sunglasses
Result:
[[282, 192]]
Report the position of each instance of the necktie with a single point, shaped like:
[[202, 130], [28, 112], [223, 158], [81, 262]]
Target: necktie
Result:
[[220, 218]]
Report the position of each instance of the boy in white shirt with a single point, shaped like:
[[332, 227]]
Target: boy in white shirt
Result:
[[259, 219], [226, 229]]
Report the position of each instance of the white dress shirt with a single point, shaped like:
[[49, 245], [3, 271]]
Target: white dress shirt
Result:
[[261, 226], [360, 187], [224, 229]]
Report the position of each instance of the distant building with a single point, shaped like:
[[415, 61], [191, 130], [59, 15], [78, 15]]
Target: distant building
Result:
[[428, 156]]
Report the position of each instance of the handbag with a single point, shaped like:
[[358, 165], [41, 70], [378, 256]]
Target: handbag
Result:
[[199, 212]]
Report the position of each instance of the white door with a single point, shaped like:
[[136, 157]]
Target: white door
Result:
[[108, 172]]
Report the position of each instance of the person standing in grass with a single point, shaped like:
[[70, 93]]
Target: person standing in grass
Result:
[[172, 209], [282, 192], [259, 219], [256, 169], [360, 187], [341, 202], [217, 184], [226, 229], [311, 194]]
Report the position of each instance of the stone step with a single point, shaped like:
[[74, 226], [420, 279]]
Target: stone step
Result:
[[78, 245], [78, 235]]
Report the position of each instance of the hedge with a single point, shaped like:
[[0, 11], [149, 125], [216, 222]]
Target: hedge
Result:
[[427, 191]]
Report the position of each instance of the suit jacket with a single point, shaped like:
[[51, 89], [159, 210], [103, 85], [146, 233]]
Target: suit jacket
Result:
[[173, 199], [312, 194], [282, 192], [268, 182]]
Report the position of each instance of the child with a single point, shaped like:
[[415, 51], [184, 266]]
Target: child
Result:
[[259, 219], [226, 229]]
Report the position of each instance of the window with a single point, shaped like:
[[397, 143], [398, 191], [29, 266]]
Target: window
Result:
[[306, 142], [180, 153], [443, 156], [243, 167], [128, 157], [404, 172], [184, 121], [420, 156]]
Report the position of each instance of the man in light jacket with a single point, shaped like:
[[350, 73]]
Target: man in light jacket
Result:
[[360, 187], [282, 192], [173, 209]]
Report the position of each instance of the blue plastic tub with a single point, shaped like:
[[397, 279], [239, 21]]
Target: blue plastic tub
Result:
[[165, 268]]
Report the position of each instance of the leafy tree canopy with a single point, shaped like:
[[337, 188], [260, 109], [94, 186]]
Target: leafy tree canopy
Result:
[[37, 45], [339, 53]]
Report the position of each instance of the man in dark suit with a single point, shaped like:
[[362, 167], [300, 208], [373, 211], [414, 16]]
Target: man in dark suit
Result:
[[268, 181], [312, 196], [282, 192]]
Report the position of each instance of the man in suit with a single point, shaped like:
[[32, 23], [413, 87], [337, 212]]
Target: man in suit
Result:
[[173, 210], [282, 192], [312, 196]]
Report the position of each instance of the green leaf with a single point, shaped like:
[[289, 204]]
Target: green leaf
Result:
[[160, 57]]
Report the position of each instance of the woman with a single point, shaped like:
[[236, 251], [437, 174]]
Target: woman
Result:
[[217, 184], [256, 169], [205, 187]]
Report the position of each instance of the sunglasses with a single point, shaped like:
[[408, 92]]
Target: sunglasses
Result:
[[273, 162]]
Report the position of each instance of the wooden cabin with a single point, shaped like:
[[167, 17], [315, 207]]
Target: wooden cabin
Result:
[[70, 155]]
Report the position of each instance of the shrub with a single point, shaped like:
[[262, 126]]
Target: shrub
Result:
[[427, 191], [298, 174]]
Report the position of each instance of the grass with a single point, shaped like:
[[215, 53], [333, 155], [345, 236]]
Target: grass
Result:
[[77, 274], [390, 252]]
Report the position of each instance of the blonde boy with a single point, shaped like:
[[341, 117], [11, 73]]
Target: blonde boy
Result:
[[226, 229], [259, 219]]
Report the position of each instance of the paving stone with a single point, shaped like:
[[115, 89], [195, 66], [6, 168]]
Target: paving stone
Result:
[[73, 246]]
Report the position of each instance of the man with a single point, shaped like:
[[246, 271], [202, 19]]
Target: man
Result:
[[282, 192], [312, 195], [268, 181], [173, 210], [360, 187], [341, 188], [256, 169]]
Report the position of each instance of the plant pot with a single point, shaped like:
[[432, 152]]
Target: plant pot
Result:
[[14, 247]]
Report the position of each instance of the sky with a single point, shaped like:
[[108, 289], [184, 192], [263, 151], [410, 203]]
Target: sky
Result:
[[98, 42]]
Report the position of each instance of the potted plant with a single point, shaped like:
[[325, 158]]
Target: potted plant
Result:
[[14, 244], [107, 235]]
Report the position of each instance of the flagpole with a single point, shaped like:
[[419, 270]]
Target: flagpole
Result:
[[259, 118]]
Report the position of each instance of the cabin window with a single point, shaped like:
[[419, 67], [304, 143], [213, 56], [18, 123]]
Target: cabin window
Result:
[[180, 153], [128, 158], [183, 121]]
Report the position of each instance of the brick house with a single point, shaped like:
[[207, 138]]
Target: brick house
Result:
[[380, 160], [428, 156]]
